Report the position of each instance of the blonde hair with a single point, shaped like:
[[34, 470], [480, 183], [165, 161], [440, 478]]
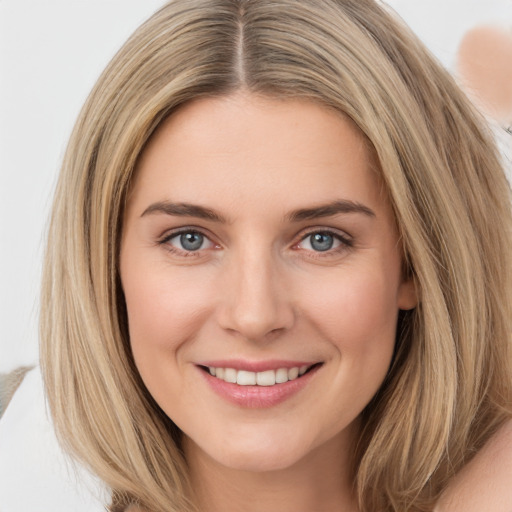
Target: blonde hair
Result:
[[449, 386]]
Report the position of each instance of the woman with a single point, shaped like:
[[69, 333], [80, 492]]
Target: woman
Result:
[[278, 266]]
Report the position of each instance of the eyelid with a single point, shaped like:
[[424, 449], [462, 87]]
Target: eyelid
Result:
[[173, 233], [346, 240]]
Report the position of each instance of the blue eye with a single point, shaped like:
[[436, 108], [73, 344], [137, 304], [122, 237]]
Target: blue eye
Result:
[[191, 241], [188, 241], [323, 241]]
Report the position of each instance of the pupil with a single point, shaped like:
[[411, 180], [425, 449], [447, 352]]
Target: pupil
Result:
[[322, 241], [191, 241]]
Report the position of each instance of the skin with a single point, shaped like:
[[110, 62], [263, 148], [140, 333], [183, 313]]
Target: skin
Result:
[[483, 65], [485, 483], [258, 289]]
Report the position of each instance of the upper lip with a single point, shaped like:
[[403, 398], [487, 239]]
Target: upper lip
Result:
[[256, 366]]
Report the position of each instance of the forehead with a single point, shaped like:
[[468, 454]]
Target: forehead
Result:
[[230, 150]]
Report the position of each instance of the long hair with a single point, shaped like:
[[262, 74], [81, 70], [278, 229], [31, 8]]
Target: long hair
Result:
[[449, 386]]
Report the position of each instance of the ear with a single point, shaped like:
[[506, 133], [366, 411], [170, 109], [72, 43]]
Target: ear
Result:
[[407, 294]]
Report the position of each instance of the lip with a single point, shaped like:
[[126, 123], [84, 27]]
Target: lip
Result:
[[257, 397]]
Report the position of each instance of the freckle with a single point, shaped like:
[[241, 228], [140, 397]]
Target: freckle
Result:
[[484, 66]]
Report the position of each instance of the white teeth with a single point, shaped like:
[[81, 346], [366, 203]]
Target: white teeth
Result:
[[282, 375], [265, 378], [246, 378], [293, 373], [230, 375]]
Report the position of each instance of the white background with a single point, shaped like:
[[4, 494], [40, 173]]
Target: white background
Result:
[[51, 53]]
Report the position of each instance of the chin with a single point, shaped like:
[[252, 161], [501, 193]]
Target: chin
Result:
[[259, 454], [258, 461]]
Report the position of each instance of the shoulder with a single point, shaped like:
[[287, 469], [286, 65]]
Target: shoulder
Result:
[[486, 482]]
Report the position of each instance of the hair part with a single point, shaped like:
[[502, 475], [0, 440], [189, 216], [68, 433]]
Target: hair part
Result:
[[449, 386]]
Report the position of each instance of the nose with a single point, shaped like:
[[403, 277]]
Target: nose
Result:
[[255, 302]]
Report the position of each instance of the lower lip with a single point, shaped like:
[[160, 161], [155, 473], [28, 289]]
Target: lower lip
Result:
[[258, 397]]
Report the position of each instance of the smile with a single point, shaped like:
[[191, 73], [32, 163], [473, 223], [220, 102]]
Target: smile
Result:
[[264, 378], [264, 385]]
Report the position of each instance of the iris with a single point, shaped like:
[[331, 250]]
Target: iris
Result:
[[321, 241], [191, 241]]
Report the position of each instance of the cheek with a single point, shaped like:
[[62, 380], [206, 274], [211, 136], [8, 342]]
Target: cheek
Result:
[[357, 315], [164, 308], [370, 321], [356, 311]]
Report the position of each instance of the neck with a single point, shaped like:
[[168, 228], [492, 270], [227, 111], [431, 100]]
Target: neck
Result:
[[321, 481]]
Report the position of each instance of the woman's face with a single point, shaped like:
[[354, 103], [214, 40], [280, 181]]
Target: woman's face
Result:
[[258, 244]]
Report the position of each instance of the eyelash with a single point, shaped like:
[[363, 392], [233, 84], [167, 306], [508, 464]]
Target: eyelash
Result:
[[345, 242], [183, 252]]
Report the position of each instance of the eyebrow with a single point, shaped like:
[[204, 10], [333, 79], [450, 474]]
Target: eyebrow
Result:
[[327, 210], [183, 210], [316, 212]]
